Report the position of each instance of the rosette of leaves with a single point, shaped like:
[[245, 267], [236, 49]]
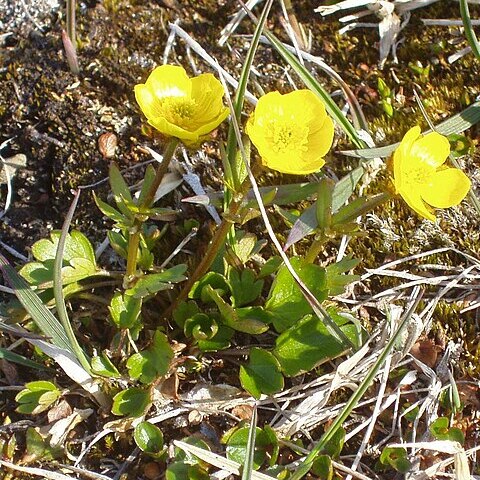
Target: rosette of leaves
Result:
[[78, 260]]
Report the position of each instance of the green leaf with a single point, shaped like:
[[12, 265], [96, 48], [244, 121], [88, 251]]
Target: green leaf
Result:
[[154, 362], [219, 342], [118, 242], [101, 365], [308, 344], [148, 180], [242, 320], [322, 468], [78, 259], [149, 439], [121, 220], [270, 266], [468, 27], [245, 287], [383, 88], [286, 303], [308, 221], [456, 435], [39, 449], [336, 278], [200, 327], [397, 458], [76, 246], [262, 374], [244, 246], [33, 304], [185, 311], [237, 446], [212, 279], [440, 430], [334, 446], [19, 359], [120, 190], [460, 145], [358, 207], [132, 402], [278, 194], [188, 457], [125, 310], [155, 282], [324, 203], [37, 397], [184, 471]]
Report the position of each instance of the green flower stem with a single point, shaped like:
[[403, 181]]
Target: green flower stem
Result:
[[315, 248], [216, 243], [161, 171], [134, 236], [71, 22]]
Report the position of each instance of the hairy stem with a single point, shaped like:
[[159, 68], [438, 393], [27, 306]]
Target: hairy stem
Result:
[[134, 236], [214, 246], [315, 248]]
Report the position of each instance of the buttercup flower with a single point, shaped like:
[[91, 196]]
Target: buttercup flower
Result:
[[292, 132], [421, 177], [179, 106]]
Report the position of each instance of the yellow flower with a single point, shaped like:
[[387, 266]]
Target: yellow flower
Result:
[[292, 132], [421, 177], [179, 106]]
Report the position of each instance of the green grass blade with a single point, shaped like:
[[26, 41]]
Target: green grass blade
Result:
[[32, 303], [457, 123], [315, 87], [248, 465], [20, 359], [467, 25], [240, 96], [58, 289], [307, 463]]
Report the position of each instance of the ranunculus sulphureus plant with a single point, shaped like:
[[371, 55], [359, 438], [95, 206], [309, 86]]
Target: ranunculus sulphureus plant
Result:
[[179, 106], [292, 132], [421, 176]]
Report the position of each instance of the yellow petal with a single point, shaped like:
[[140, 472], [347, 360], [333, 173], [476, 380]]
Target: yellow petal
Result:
[[432, 149], [211, 125], [304, 106], [207, 92], [447, 187], [169, 81], [320, 140], [415, 202], [145, 100], [293, 164], [167, 128], [401, 153]]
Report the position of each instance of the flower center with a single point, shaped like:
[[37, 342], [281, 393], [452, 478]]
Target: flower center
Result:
[[177, 110], [419, 175], [288, 136]]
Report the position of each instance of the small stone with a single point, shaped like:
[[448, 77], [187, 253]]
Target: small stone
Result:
[[107, 144]]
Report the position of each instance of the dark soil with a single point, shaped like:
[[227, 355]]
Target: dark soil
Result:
[[56, 119]]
